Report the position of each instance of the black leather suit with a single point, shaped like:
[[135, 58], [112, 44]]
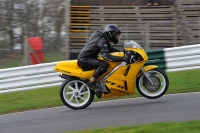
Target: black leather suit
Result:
[[97, 45]]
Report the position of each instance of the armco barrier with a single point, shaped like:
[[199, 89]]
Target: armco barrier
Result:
[[29, 77], [42, 75], [27, 70], [176, 58]]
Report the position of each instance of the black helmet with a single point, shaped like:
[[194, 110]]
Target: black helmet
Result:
[[113, 33]]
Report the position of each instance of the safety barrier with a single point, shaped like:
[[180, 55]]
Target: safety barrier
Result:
[[29, 77], [43, 76], [176, 58]]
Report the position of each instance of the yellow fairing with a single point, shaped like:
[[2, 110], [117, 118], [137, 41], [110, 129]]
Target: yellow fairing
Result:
[[71, 68], [139, 51], [122, 84]]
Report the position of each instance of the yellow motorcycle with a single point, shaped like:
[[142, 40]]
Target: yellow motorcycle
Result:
[[119, 80]]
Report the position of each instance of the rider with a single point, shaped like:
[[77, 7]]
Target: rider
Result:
[[99, 44]]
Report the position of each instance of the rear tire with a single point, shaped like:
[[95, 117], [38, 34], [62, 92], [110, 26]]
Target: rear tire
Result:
[[75, 94], [160, 87]]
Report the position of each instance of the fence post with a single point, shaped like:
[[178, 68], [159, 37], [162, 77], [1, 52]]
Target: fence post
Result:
[[126, 33], [67, 25], [175, 33], [25, 60], [175, 24], [199, 28], [186, 35], [146, 47]]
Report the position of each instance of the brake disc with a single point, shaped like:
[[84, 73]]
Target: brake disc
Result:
[[148, 85]]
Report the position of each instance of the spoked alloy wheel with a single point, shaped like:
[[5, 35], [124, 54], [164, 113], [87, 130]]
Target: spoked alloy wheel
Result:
[[75, 94], [157, 90]]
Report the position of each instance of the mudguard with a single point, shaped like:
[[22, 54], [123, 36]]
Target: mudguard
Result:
[[150, 67], [147, 68]]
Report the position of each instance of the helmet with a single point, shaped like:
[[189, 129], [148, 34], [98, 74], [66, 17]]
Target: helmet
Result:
[[113, 33]]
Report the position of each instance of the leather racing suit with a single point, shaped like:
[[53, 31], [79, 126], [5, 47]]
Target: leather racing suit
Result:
[[88, 57]]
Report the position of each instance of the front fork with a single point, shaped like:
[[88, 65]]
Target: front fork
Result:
[[145, 74]]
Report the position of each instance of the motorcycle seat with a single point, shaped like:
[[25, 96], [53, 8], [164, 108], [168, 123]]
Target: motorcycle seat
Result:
[[84, 68]]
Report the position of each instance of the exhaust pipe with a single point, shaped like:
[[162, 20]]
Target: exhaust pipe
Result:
[[63, 76]]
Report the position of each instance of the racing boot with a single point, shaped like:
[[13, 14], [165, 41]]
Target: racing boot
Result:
[[92, 85]]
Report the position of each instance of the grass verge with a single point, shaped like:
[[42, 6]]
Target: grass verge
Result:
[[165, 127]]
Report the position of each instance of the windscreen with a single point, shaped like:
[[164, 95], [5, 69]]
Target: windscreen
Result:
[[132, 44]]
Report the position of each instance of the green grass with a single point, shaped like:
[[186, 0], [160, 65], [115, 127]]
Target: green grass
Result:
[[165, 127], [180, 82], [11, 63], [184, 81], [53, 57], [27, 100], [48, 57]]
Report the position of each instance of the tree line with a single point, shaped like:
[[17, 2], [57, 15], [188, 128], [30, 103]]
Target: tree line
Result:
[[19, 18]]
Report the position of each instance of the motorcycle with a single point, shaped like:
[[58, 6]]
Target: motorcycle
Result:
[[120, 79]]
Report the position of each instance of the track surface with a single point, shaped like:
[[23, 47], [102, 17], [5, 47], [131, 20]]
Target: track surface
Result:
[[181, 107]]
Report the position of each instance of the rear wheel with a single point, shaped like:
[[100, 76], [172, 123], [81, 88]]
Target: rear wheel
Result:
[[157, 90], [75, 94]]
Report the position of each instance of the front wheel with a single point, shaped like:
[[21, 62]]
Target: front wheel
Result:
[[75, 94], [158, 89]]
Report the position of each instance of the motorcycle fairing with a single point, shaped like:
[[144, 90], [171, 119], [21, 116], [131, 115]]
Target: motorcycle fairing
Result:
[[119, 87], [121, 82]]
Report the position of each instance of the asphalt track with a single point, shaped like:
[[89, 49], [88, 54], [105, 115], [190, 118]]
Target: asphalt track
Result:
[[135, 111]]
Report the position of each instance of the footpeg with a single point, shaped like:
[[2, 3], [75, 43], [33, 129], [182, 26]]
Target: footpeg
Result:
[[99, 94]]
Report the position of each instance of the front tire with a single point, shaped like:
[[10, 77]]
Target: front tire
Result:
[[75, 94], [160, 87]]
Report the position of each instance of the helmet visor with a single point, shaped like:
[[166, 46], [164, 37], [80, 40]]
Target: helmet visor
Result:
[[116, 37]]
